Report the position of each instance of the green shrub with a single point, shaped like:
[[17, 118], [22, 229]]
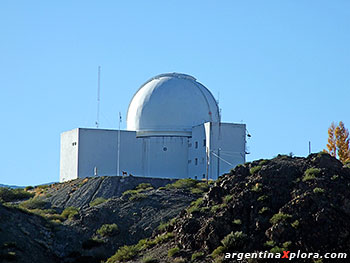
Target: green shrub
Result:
[[218, 252], [162, 188], [200, 188], [97, 201], [137, 197], [9, 195], [257, 187], [262, 198], [311, 174], [263, 210], [318, 190], [69, 212], [237, 221], [277, 249], [144, 186], [279, 217], [263, 162], [227, 198], [295, 224], [163, 225], [124, 253], [270, 243], [34, 203], [197, 255], [287, 244], [172, 252], [255, 169], [161, 238], [215, 208], [107, 230], [334, 177], [182, 184], [234, 240]]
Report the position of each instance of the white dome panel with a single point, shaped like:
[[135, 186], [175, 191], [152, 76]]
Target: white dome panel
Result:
[[170, 105]]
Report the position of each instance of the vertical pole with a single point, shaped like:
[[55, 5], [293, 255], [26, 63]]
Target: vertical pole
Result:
[[98, 97], [218, 166], [309, 147], [118, 159], [208, 160]]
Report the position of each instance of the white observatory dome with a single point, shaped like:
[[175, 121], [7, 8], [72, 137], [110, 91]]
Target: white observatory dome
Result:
[[170, 105]]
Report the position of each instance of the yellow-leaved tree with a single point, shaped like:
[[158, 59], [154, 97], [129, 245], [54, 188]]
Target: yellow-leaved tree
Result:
[[338, 142]]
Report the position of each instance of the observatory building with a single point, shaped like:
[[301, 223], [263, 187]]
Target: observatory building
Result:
[[173, 131]]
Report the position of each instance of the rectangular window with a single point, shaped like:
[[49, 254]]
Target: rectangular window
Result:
[[196, 145], [204, 142], [196, 161]]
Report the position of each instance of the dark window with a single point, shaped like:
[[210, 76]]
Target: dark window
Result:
[[196, 161], [74, 143], [165, 149], [195, 177], [204, 142], [203, 176], [196, 145]]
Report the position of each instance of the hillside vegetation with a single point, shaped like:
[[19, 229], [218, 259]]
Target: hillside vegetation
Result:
[[286, 203]]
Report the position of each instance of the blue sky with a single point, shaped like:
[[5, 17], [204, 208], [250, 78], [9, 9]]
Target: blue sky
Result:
[[281, 67]]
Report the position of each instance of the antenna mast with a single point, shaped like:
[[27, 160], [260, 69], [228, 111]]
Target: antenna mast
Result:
[[98, 97]]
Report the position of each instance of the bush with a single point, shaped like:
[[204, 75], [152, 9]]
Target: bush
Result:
[[144, 186], [70, 212], [237, 222], [318, 190], [161, 238], [279, 217], [311, 174], [137, 197], [197, 255], [218, 252], [257, 187], [162, 226], [270, 243], [255, 169], [263, 162], [263, 210], [234, 240], [262, 198], [97, 201], [123, 253], [27, 188], [277, 249], [9, 195], [34, 203], [295, 224], [182, 184], [200, 188], [172, 252], [227, 198], [107, 230]]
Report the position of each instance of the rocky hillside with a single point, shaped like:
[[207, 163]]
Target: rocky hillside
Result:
[[86, 220], [282, 204], [268, 205]]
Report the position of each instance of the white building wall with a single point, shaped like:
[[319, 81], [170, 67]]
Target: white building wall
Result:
[[165, 157], [69, 155], [227, 140], [197, 153]]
